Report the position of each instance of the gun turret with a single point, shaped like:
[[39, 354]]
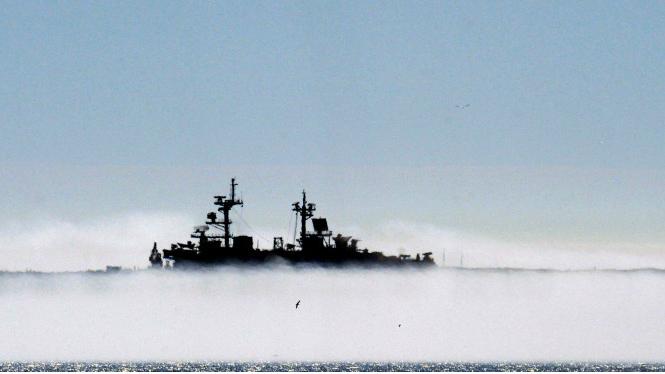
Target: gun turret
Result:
[[155, 257]]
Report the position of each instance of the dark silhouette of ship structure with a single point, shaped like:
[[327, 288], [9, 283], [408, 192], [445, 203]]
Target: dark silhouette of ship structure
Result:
[[217, 245]]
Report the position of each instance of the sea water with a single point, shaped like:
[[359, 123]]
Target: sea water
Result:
[[325, 366]]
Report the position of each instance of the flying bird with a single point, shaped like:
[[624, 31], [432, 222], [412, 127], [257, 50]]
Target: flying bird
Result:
[[298, 303], [462, 106], [400, 325]]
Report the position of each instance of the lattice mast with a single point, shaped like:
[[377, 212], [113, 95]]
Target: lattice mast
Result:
[[306, 211], [225, 206]]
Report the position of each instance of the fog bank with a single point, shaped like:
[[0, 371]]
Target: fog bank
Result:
[[445, 314], [125, 240]]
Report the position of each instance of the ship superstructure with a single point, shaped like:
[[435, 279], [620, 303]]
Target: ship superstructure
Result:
[[215, 244]]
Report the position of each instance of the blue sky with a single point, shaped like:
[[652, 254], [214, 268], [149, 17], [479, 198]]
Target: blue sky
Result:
[[110, 107]]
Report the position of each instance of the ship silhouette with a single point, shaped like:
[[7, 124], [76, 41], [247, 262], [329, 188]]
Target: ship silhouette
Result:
[[215, 244]]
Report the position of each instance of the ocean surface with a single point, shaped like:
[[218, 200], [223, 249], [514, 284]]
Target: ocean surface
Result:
[[325, 366]]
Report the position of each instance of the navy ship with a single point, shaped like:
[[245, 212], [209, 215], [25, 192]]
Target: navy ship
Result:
[[214, 244]]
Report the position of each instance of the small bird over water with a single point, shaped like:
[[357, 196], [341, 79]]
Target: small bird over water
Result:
[[298, 303]]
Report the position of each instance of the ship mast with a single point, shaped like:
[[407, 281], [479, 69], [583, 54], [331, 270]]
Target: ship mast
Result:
[[225, 206], [306, 212]]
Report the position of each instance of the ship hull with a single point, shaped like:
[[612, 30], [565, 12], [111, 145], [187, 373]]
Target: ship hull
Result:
[[186, 259]]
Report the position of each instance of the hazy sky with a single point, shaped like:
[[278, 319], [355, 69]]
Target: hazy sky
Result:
[[514, 120]]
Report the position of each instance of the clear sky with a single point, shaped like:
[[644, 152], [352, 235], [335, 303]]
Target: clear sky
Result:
[[510, 119]]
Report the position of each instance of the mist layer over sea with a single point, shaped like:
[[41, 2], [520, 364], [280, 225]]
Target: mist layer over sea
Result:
[[249, 315]]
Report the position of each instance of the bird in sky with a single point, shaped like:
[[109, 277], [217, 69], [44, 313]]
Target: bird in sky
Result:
[[463, 106], [400, 325], [298, 303]]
